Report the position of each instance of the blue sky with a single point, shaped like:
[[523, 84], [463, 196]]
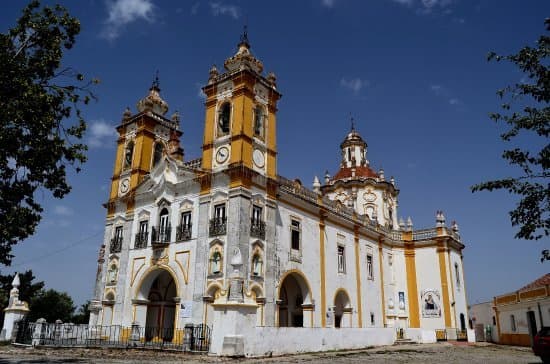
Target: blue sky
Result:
[[413, 73]]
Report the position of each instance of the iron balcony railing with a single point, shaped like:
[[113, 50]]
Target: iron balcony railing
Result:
[[141, 240], [161, 234], [116, 244], [257, 229], [183, 232], [218, 226]]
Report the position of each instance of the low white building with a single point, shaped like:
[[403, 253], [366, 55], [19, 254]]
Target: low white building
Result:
[[225, 241]]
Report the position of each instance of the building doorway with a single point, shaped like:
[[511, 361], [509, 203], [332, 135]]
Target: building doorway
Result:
[[294, 296], [161, 307], [342, 309], [532, 324]]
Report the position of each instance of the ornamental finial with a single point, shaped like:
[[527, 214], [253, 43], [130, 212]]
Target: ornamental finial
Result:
[[156, 82], [352, 122], [244, 37]]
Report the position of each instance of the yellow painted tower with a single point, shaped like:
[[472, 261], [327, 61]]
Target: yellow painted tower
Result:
[[144, 138], [240, 120]]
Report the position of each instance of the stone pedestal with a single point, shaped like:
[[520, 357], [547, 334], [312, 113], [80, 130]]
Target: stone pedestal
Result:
[[233, 322], [16, 311]]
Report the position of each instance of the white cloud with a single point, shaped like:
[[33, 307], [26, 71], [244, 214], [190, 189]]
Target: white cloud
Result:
[[444, 92], [437, 89], [101, 134], [354, 84], [454, 101], [427, 6], [328, 3], [124, 12], [200, 92], [195, 8], [225, 9], [63, 210]]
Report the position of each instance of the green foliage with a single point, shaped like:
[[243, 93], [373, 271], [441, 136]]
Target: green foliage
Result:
[[51, 305], [83, 314], [530, 98], [40, 119]]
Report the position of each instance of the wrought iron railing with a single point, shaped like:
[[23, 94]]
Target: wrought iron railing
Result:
[[194, 338], [141, 240], [218, 226], [183, 232], [116, 244], [161, 234], [257, 229]]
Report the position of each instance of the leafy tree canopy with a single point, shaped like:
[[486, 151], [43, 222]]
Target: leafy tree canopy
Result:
[[51, 305], [40, 119], [526, 111]]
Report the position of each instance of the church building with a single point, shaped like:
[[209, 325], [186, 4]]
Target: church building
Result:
[[227, 242]]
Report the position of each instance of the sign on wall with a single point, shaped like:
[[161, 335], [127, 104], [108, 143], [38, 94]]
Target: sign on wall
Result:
[[186, 309], [431, 303]]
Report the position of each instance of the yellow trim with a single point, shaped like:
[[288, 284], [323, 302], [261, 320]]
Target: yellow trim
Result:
[[381, 266], [151, 270], [322, 267], [184, 271], [451, 268], [412, 288], [444, 284], [136, 273], [358, 279]]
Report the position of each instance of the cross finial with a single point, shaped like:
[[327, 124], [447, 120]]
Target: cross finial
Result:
[[244, 36], [352, 122], [156, 83]]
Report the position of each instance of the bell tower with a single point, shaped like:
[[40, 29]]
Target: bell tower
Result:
[[143, 139], [240, 120]]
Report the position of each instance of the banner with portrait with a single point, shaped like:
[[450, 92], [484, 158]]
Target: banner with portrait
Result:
[[431, 303]]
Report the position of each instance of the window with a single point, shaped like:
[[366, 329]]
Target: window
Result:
[[186, 220], [513, 323], [184, 230], [219, 212], [370, 272], [349, 154], [223, 119], [157, 154], [143, 227], [128, 154], [295, 234], [457, 274], [164, 226], [141, 236], [116, 241], [372, 318], [256, 214], [216, 262], [390, 218], [494, 321], [259, 121], [257, 265], [118, 232], [341, 259]]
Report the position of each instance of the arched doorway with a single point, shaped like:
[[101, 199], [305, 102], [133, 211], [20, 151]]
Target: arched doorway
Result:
[[160, 291], [294, 299], [342, 309], [462, 322]]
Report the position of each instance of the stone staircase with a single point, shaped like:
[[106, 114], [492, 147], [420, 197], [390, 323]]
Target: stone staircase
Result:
[[403, 342]]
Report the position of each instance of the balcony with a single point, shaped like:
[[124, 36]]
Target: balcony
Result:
[[257, 229], [116, 244], [160, 236], [218, 226], [141, 240], [183, 232]]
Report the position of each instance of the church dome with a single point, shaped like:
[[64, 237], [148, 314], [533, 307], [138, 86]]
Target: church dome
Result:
[[355, 172]]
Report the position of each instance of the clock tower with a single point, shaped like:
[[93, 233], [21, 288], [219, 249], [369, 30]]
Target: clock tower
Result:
[[143, 139], [240, 121]]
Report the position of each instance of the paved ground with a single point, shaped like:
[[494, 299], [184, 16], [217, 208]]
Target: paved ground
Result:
[[430, 353]]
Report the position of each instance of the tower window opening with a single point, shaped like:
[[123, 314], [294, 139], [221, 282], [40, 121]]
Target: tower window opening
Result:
[[223, 119], [128, 155], [157, 155], [259, 121]]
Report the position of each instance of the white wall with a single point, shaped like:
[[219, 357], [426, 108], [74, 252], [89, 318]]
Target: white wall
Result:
[[428, 277]]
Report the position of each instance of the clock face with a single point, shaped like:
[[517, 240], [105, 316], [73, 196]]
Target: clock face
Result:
[[124, 185], [259, 159], [222, 154]]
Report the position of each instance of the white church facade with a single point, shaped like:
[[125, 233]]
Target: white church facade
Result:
[[225, 241]]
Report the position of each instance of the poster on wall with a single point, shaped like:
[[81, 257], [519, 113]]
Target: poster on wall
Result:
[[402, 300], [431, 303], [186, 309]]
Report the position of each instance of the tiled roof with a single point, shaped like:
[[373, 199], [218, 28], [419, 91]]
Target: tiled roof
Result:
[[539, 282], [345, 172]]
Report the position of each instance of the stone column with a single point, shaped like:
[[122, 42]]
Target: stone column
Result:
[[16, 310]]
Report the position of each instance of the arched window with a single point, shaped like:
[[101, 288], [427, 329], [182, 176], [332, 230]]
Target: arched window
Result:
[[223, 119], [157, 154], [257, 265], [128, 155], [164, 226], [112, 274], [216, 262], [259, 121]]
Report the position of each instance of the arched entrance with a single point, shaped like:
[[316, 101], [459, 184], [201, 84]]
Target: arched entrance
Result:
[[294, 299], [342, 309], [159, 289]]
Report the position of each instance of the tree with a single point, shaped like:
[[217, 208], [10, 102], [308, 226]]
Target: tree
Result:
[[51, 305], [530, 97], [40, 119], [83, 314]]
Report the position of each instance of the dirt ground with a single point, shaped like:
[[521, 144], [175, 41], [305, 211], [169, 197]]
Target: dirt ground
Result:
[[428, 353]]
